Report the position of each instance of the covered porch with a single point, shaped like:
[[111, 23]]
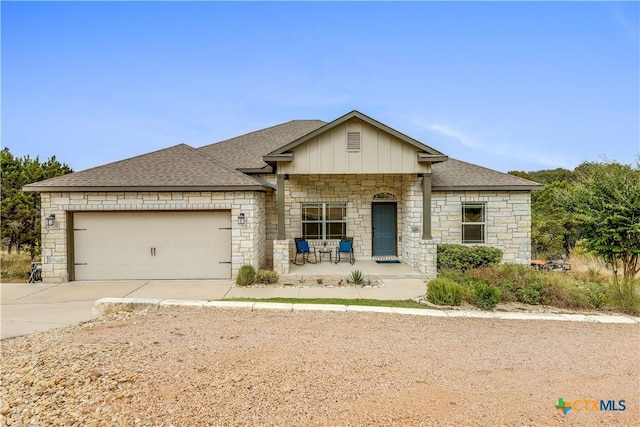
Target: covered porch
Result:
[[369, 268]]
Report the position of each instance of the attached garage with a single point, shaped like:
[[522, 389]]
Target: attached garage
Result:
[[152, 245]]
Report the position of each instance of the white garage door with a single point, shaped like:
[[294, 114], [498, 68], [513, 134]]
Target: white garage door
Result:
[[152, 245]]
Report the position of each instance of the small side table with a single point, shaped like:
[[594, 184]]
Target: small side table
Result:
[[323, 250]]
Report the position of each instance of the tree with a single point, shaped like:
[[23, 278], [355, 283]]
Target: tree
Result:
[[553, 229], [546, 176], [606, 203], [20, 211]]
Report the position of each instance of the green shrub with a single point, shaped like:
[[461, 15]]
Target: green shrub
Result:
[[267, 277], [624, 296], [564, 291], [463, 279], [461, 257], [516, 282], [355, 277], [596, 293], [246, 276], [500, 278], [485, 297], [530, 291], [444, 292], [458, 276]]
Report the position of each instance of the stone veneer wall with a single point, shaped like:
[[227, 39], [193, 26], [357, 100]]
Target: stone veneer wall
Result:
[[357, 191], [508, 220], [247, 241], [508, 224]]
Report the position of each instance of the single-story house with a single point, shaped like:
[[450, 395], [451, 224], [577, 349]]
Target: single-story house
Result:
[[187, 213]]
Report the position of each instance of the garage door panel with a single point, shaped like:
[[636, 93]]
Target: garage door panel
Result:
[[152, 245]]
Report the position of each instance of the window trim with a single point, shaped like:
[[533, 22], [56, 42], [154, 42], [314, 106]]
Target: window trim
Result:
[[323, 221], [482, 222]]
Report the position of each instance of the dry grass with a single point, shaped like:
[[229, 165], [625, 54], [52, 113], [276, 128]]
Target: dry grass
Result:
[[15, 267], [588, 263]]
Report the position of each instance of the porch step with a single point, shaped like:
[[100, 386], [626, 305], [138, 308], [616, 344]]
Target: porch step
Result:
[[385, 258]]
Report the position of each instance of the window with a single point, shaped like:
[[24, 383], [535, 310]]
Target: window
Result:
[[323, 221], [473, 222]]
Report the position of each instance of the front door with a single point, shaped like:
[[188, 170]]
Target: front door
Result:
[[384, 228]]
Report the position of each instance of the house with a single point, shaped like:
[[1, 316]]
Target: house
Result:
[[187, 213]]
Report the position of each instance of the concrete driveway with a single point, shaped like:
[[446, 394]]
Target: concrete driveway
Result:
[[28, 308]]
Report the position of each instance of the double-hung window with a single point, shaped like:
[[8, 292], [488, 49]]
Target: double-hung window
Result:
[[473, 222], [324, 221]]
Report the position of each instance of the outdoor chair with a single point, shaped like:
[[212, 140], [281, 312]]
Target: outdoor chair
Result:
[[35, 275], [304, 251], [345, 247]]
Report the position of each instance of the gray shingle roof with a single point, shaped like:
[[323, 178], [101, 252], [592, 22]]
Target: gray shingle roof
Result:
[[246, 151], [213, 167], [458, 175], [180, 166]]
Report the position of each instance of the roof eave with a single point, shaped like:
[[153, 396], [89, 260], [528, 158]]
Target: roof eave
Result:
[[285, 157], [431, 158], [265, 169], [487, 187], [129, 189]]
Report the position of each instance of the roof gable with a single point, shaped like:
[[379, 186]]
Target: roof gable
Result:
[[358, 115], [180, 167]]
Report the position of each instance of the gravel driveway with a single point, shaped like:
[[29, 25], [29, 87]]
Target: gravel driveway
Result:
[[186, 366]]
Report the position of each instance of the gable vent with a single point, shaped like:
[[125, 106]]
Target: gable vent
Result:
[[353, 141]]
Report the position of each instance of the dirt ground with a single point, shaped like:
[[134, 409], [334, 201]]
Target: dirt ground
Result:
[[182, 367]]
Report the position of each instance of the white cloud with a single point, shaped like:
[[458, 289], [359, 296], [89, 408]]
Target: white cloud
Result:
[[516, 152], [453, 133]]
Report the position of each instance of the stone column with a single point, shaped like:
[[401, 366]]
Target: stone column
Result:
[[428, 258], [426, 206], [280, 202], [281, 256]]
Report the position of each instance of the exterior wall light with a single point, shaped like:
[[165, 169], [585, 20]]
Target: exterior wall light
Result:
[[50, 219], [241, 219]]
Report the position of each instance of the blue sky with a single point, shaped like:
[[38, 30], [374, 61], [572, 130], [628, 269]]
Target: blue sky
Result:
[[508, 85]]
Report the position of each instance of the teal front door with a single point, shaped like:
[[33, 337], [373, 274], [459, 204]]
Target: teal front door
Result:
[[384, 228]]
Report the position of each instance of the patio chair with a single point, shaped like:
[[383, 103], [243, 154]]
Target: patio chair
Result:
[[304, 250], [35, 275], [345, 247]]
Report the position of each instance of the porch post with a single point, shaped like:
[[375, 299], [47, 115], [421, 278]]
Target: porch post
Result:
[[280, 201], [426, 206]]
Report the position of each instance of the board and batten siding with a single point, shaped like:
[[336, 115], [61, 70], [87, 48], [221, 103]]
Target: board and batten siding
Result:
[[380, 153]]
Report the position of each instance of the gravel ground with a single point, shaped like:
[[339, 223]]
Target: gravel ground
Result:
[[187, 366]]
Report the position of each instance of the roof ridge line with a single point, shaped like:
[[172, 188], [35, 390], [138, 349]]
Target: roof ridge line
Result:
[[262, 130]]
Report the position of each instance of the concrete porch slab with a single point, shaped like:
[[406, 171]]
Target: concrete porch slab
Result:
[[368, 268]]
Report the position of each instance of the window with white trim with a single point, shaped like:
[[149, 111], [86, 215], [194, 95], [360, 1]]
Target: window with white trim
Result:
[[473, 222], [324, 221]]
